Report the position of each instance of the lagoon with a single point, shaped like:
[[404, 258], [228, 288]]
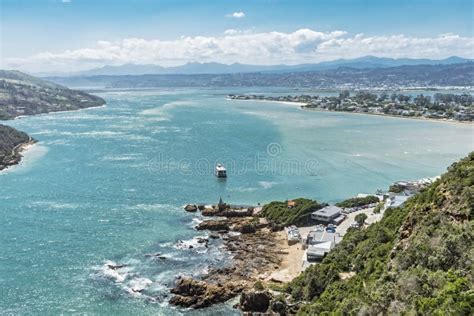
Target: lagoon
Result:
[[108, 185]]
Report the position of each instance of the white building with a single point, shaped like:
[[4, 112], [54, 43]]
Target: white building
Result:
[[327, 214]]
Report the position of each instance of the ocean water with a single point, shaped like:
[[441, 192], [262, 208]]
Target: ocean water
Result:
[[107, 185]]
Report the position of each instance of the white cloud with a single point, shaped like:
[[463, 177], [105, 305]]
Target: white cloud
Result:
[[237, 15], [301, 46], [66, 1]]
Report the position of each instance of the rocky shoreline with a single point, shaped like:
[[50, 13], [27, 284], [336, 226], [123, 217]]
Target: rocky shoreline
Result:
[[253, 245], [16, 154]]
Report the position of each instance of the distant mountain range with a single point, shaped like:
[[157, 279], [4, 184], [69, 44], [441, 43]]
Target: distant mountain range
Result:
[[218, 68], [388, 78]]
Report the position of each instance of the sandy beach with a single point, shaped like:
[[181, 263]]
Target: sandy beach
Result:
[[18, 152]]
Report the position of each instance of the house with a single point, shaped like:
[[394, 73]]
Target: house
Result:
[[291, 204], [327, 214], [319, 251], [319, 242]]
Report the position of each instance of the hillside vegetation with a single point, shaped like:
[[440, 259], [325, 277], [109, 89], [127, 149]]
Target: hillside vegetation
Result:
[[279, 213], [417, 260], [21, 94], [358, 201], [10, 139]]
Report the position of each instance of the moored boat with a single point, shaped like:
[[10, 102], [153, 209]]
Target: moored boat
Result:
[[220, 171]]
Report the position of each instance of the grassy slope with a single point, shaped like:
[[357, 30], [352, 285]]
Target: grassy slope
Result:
[[418, 259], [279, 213]]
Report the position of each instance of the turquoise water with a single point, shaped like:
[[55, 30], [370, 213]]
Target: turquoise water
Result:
[[108, 184]]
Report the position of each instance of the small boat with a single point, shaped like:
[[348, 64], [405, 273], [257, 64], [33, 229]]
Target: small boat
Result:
[[220, 171]]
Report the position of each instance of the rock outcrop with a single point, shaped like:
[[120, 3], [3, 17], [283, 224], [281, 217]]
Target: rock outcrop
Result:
[[214, 225], [255, 301], [191, 208], [199, 294]]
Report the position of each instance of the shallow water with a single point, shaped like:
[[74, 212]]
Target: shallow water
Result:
[[107, 185]]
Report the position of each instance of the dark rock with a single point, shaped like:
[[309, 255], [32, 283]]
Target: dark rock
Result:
[[201, 207], [157, 254], [278, 306], [244, 228], [213, 225], [190, 208], [115, 267], [202, 240], [214, 236], [254, 301], [199, 294], [209, 212]]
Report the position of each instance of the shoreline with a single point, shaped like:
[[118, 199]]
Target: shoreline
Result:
[[17, 154], [392, 116], [58, 112], [255, 252], [304, 106]]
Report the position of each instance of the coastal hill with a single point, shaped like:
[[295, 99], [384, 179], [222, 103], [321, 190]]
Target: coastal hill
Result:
[[11, 142], [416, 260], [343, 77], [22, 94]]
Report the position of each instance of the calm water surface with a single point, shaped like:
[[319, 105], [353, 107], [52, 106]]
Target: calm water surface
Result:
[[107, 185]]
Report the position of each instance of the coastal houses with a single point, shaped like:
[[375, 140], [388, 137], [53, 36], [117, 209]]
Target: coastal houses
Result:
[[328, 214], [319, 242]]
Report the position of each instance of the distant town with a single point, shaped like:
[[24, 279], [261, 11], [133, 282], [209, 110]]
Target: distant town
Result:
[[455, 107]]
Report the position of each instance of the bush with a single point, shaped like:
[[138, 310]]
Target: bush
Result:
[[358, 201], [279, 212]]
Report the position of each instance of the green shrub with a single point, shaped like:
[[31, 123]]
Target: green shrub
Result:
[[279, 212], [358, 201]]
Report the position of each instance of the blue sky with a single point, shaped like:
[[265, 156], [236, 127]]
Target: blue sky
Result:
[[33, 27]]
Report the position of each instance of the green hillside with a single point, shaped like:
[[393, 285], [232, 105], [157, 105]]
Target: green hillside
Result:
[[22, 94], [279, 213], [417, 260], [10, 139]]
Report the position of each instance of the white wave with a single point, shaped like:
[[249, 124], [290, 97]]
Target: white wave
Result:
[[245, 189], [121, 157], [267, 184], [139, 284], [55, 205], [118, 275], [198, 242], [161, 113], [30, 156]]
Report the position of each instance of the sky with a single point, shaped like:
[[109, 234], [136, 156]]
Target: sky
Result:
[[74, 35]]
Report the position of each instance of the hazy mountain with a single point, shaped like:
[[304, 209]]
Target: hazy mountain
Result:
[[342, 77], [22, 94], [218, 68]]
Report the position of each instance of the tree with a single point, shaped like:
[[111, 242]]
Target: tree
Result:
[[360, 218]]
